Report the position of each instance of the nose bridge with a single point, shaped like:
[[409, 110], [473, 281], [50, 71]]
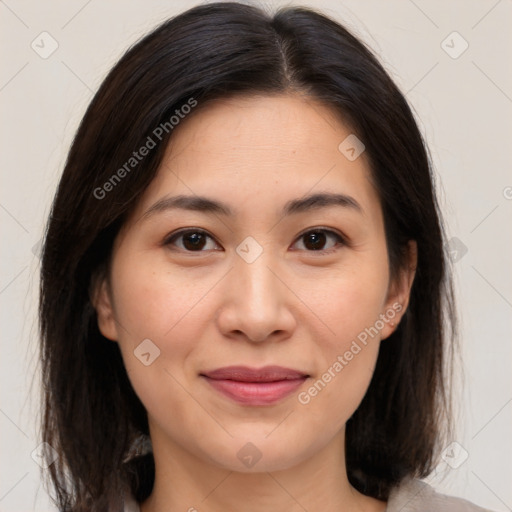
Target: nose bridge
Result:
[[256, 302], [257, 283]]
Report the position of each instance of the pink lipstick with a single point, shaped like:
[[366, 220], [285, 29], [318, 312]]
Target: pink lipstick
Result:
[[255, 386]]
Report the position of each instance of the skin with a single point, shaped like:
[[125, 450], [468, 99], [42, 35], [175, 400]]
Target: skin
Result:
[[293, 306]]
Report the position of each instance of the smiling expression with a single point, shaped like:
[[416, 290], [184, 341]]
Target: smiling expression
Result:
[[258, 243]]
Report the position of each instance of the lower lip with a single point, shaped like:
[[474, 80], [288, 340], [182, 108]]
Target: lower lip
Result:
[[256, 393]]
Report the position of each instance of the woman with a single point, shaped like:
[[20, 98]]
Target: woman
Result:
[[244, 273]]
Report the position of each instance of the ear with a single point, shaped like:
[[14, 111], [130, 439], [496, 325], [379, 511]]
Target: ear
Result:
[[399, 292], [102, 301]]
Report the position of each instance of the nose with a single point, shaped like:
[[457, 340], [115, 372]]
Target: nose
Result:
[[256, 302]]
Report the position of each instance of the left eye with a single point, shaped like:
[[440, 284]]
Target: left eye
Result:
[[314, 240], [195, 240]]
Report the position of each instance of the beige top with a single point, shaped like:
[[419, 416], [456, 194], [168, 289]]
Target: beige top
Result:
[[411, 496]]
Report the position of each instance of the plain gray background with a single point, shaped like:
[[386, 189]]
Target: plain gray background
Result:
[[463, 101]]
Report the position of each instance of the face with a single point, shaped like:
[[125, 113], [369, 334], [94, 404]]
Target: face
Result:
[[284, 265]]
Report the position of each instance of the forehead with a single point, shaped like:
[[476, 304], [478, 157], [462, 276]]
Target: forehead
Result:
[[268, 148], [276, 126]]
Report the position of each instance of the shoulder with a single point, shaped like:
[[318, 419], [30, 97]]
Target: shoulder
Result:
[[413, 495]]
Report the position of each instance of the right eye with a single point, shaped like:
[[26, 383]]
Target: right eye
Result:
[[190, 240]]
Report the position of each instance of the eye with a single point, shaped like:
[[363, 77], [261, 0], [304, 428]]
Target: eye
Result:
[[190, 240], [315, 240], [196, 240]]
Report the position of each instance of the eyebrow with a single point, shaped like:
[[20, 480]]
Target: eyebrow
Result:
[[206, 205]]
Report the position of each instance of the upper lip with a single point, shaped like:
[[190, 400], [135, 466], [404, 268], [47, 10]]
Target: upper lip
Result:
[[247, 374]]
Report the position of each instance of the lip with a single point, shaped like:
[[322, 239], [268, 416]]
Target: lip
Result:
[[255, 386]]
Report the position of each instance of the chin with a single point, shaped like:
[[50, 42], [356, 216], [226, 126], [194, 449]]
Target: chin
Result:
[[257, 453]]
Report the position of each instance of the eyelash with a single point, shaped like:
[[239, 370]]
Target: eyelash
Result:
[[169, 240]]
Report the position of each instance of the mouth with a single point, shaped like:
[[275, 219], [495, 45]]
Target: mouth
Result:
[[253, 386]]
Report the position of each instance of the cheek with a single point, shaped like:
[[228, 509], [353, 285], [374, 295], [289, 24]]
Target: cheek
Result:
[[350, 301], [349, 304], [152, 301], [159, 319], [346, 359]]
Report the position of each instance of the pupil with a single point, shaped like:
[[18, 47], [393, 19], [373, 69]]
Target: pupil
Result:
[[193, 241], [317, 239]]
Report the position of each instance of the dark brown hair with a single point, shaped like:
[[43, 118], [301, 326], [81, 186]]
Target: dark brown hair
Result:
[[91, 413]]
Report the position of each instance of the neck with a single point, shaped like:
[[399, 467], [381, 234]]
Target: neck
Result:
[[319, 483]]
